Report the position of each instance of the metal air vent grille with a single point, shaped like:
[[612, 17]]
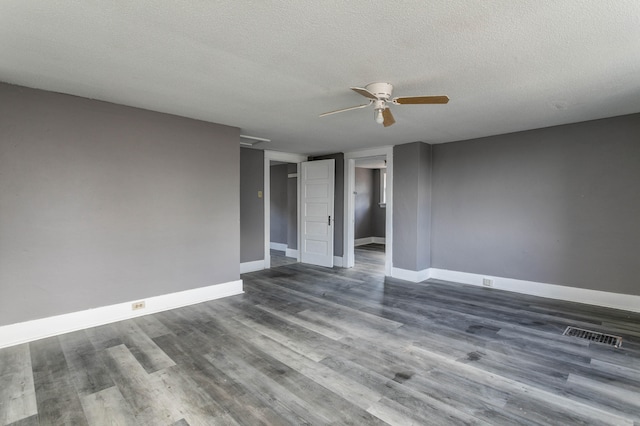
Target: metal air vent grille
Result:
[[594, 336]]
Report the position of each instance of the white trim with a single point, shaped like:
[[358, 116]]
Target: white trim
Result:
[[337, 261], [256, 265], [369, 240], [372, 152], [28, 331], [254, 138], [362, 241], [277, 246], [287, 158], [266, 191], [349, 205], [413, 276], [626, 302], [291, 253]]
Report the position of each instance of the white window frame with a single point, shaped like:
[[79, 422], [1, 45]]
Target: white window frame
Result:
[[383, 188]]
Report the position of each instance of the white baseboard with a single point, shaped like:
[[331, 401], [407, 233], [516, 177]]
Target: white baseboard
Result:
[[291, 253], [277, 246], [626, 302], [368, 240], [338, 261], [413, 276], [256, 265], [362, 241], [28, 331]]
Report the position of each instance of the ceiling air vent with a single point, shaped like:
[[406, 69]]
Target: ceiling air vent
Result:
[[594, 336]]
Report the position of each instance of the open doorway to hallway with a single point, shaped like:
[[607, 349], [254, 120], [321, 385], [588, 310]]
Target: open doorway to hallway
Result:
[[370, 211], [280, 158], [283, 206], [369, 158]]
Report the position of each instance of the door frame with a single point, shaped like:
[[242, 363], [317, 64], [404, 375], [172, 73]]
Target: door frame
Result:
[[349, 205], [287, 158]]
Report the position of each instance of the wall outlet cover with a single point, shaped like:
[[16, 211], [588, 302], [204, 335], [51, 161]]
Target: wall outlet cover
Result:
[[137, 305], [487, 282]]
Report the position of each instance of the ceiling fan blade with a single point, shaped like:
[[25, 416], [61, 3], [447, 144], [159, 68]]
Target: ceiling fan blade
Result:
[[364, 92], [418, 100], [345, 109], [388, 117]]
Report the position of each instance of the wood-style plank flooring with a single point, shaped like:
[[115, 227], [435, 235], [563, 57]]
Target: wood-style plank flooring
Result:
[[311, 345], [278, 258]]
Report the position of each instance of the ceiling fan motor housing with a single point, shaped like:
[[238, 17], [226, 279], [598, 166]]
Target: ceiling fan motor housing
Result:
[[380, 90], [379, 104]]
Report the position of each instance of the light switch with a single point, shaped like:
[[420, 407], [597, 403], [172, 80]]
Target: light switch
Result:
[[259, 194]]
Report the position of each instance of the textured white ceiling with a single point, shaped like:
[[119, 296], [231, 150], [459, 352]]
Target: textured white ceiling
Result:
[[270, 67]]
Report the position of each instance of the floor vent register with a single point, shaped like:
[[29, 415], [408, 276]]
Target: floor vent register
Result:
[[594, 336]]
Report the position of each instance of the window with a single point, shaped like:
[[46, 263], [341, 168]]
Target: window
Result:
[[383, 187]]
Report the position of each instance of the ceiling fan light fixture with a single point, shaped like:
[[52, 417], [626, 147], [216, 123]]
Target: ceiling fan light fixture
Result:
[[379, 95], [378, 116]]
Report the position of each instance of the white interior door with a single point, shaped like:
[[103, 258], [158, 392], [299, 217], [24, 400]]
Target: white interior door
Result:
[[316, 200]]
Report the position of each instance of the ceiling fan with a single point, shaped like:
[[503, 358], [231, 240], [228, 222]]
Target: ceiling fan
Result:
[[379, 95]]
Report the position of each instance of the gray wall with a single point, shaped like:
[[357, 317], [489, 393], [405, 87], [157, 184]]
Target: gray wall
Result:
[[251, 206], [369, 216], [279, 213], [379, 214], [363, 203], [412, 206], [101, 204], [292, 207], [338, 207], [558, 205]]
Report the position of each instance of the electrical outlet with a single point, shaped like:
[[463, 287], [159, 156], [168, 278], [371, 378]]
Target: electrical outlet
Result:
[[137, 305], [487, 282]]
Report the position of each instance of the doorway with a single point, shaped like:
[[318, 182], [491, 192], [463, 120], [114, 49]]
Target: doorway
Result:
[[379, 200], [286, 238], [370, 212], [283, 207]]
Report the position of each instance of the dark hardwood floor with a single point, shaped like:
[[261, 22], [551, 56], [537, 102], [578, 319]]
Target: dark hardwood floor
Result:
[[311, 345], [278, 259]]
